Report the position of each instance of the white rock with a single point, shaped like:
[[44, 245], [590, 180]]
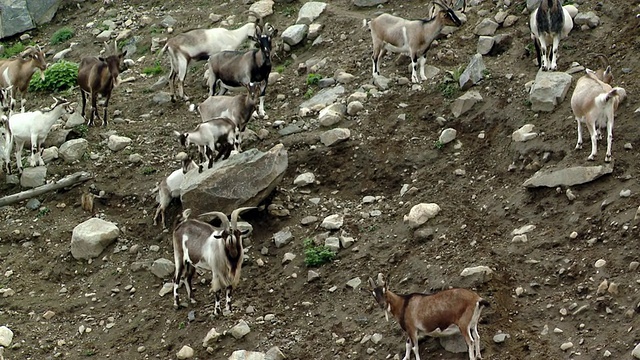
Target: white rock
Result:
[[354, 283], [91, 237], [335, 136], [73, 150], [332, 222], [263, 8], [636, 352], [500, 338], [185, 353], [310, 11], [166, 289], [523, 229], [117, 143], [6, 336], [282, 237], [288, 257], [525, 133], [354, 107], [421, 213], [211, 338], [447, 135], [566, 346], [376, 338], [476, 270], [240, 330], [304, 179], [247, 355], [600, 263]]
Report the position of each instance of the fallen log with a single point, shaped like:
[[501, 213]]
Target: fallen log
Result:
[[80, 176]]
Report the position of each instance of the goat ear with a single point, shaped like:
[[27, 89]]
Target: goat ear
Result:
[[608, 70], [372, 284], [176, 133]]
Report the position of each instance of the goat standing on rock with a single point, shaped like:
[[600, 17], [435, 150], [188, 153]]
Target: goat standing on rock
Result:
[[445, 313], [99, 76], [549, 23], [16, 73], [412, 37], [216, 134]]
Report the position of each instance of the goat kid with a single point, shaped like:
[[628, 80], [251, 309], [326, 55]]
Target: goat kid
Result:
[[549, 23], [16, 73], [218, 133], [412, 37], [233, 69], [99, 76], [238, 108], [169, 188], [200, 44], [441, 314], [33, 127], [220, 250], [594, 103]]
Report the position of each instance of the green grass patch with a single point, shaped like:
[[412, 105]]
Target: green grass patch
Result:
[[316, 255], [448, 89], [12, 50], [148, 170], [61, 35], [308, 94], [156, 69], [313, 79], [59, 76]]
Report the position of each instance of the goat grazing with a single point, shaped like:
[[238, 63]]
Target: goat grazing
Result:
[[99, 76], [549, 23], [169, 188], [219, 133], [16, 73], [412, 37], [594, 103], [33, 127], [238, 108], [441, 314], [200, 44], [234, 68], [199, 244]]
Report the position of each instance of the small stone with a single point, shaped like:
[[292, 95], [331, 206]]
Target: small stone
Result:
[[240, 330], [519, 291], [600, 263], [636, 352], [633, 266], [500, 338], [625, 193], [185, 353], [354, 283], [566, 346], [376, 338], [613, 288], [304, 179], [312, 275], [48, 315], [166, 289], [573, 235], [141, 349], [6, 336], [288, 257]]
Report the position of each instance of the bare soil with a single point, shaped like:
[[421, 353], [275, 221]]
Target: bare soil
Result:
[[479, 208]]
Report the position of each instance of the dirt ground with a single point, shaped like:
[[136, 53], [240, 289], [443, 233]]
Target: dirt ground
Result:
[[120, 303]]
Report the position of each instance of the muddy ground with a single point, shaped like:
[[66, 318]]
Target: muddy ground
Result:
[[129, 320]]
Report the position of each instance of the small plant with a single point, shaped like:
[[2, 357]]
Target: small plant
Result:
[[81, 129], [58, 77], [288, 11], [156, 69], [455, 74], [313, 79], [89, 353], [448, 89], [61, 35], [287, 63], [13, 50], [181, 325], [531, 48], [154, 29], [43, 211], [308, 94], [148, 170], [316, 255], [438, 144], [280, 69], [486, 73]]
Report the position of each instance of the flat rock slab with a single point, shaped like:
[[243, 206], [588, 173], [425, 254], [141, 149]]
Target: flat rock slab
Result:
[[567, 177], [323, 97], [548, 90], [91, 237]]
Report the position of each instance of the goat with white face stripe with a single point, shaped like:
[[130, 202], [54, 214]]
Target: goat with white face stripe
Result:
[[549, 23]]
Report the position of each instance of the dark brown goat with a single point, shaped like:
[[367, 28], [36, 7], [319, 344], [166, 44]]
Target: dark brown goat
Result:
[[98, 76], [16, 73]]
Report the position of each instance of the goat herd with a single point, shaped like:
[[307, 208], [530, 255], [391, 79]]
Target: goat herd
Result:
[[197, 244]]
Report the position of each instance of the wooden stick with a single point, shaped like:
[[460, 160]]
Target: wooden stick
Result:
[[68, 180]]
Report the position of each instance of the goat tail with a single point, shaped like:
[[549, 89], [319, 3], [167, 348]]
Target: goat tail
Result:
[[605, 98], [365, 22]]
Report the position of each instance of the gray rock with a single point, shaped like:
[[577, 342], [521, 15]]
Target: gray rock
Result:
[[500, 338], [447, 135], [74, 120], [161, 83], [323, 97], [294, 34], [314, 31], [533, 4], [485, 43], [275, 354], [135, 158], [304, 179], [33, 204], [332, 222], [117, 143], [567, 177], [510, 21], [589, 18], [263, 8], [282, 237], [161, 97], [332, 114], [104, 35], [420, 214], [16, 18], [354, 283], [73, 150], [312, 276], [357, 96], [332, 243], [431, 71], [465, 102], [381, 82], [549, 89], [211, 338], [310, 11], [307, 220], [91, 237], [247, 355], [368, 3], [453, 344], [240, 330], [501, 16], [354, 108], [346, 241], [6, 336], [326, 82], [470, 271], [168, 21], [290, 129], [186, 352], [226, 186], [486, 27], [335, 136], [163, 268], [473, 74], [344, 77], [636, 352], [56, 137], [33, 176]]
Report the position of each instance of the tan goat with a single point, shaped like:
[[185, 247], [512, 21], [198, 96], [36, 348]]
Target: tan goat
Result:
[[17, 72]]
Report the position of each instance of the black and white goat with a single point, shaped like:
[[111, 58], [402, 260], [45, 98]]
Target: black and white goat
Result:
[[238, 108], [99, 76], [549, 24], [200, 44], [16, 73], [233, 69], [197, 244], [445, 313], [169, 188], [216, 134], [594, 103], [412, 37], [32, 127]]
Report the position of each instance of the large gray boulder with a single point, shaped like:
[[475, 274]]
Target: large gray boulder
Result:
[[33, 176], [245, 179], [294, 34], [324, 97], [549, 89], [310, 11], [474, 72], [18, 16], [73, 150], [567, 177], [368, 3], [465, 102], [91, 237]]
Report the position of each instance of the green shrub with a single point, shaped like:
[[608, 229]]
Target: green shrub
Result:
[[316, 255], [308, 94], [12, 50], [156, 69], [61, 35], [58, 77], [280, 69], [313, 79], [448, 89]]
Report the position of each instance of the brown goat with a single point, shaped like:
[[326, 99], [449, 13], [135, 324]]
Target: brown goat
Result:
[[16, 73], [99, 76]]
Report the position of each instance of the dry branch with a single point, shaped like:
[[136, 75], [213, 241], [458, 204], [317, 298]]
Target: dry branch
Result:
[[68, 180]]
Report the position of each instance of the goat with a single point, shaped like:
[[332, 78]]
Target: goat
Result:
[[99, 76], [169, 188], [199, 244], [33, 127], [219, 133], [604, 74], [16, 73], [549, 23], [594, 103], [392, 33], [234, 68], [200, 44], [441, 314], [238, 108]]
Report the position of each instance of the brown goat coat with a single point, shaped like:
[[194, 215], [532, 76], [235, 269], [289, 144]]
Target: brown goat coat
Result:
[[98, 76], [18, 71]]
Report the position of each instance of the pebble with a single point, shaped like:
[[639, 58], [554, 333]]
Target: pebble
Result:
[[376, 338], [573, 235], [6, 336], [48, 315], [600, 263], [185, 353], [636, 352], [354, 283], [633, 266], [141, 349], [500, 338], [566, 346], [519, 291]]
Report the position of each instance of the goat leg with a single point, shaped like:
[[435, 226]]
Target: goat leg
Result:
[[407, 353], [217, 309], [177, 281], [191, 270], [607, 157], [106, 105], [228, 298], [414, 69], [579, 143]]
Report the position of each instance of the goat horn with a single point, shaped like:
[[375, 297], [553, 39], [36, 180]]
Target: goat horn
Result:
[[234, 216], [603, 59], [380, 279], [221, 216], [185, 214], [258, 17]]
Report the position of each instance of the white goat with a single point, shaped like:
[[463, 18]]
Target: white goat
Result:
[[238, 108], [549, 23], [33, 127], [412, 37], [169, 188], [199, 244], [445, 313], [219, 133], [16, 73], [200, 44], [594, 103]]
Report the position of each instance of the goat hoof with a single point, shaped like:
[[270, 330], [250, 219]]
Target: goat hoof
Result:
[[591, 158], [607, 159]]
